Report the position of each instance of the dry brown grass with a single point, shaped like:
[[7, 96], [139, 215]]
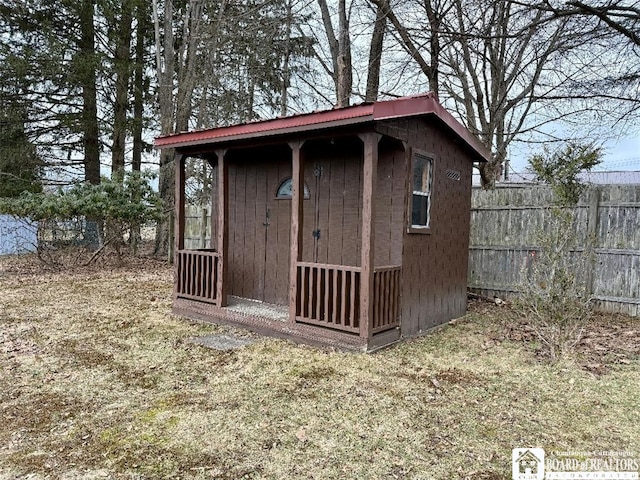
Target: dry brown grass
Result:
[[98, 381]]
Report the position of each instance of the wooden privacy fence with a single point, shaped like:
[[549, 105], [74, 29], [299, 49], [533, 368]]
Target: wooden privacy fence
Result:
[[197, 226], [506, 223]]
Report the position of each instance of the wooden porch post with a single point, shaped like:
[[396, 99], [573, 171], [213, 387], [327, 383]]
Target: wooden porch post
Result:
[[178, 236], [297, 195], [369, 178], [223, 227]]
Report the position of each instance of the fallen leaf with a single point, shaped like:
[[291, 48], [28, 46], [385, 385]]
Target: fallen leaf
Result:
[[301, 434]]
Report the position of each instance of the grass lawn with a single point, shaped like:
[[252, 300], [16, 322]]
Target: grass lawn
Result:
[[99, 380]]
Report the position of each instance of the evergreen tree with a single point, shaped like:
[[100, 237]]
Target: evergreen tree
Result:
[[52, 48], [20, 165]]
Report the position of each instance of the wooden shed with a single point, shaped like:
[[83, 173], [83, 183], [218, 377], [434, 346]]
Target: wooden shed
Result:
[[347, 227]]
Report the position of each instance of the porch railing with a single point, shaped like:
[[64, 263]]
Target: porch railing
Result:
[[197, 272], [329, 295], [386, 298]]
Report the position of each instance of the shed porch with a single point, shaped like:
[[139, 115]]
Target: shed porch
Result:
[[352, 303]]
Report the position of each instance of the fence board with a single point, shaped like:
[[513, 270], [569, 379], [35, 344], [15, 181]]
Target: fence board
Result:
[[197, 228]]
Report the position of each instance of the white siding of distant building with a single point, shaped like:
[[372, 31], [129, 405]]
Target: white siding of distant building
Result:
[[17, 235]]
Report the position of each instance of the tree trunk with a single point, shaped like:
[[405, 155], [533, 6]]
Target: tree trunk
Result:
[[375, 53], [122, 63], [284, 97], [345, 70], [411, 47], [340, 49], [139, 90], [139, 84], [174, 115], [167, 193], [90, 129], [435, 46], [165, 66], [88, 75], [186, 66]]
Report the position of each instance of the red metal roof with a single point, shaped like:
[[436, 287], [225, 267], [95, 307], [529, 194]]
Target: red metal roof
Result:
[[419, 105]]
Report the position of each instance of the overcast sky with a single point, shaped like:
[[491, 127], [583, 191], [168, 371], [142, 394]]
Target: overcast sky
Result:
[[623, 154], [618, 154]]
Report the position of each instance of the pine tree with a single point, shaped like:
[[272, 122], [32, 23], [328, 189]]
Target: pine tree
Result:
[[20, 165]]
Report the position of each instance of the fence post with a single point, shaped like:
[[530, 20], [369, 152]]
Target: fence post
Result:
[[592, 235], [171, 245], [203, 228]]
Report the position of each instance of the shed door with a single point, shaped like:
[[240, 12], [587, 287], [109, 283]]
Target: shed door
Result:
[[259, 231], [332, 214]]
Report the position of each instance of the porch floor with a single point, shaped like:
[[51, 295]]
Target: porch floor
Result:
[[256, 308], [273, 320]]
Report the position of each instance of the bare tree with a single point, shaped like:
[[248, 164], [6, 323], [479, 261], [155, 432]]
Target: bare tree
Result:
[[413, 39], [622, 17], [609, 71], [219, 62], [494, 61], [499, 57], [165, 59], [340, 49]]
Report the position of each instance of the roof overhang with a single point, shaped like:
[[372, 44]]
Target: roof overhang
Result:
[[415, 106]]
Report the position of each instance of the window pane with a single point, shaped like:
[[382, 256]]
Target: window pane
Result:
[[420, 210], [285, 190], [419, 164], [426, 176]]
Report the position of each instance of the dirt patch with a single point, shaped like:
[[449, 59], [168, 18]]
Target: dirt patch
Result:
[[38, 412], [78, 354], [457, 376], [72, 260], [609, 339], [487, 475]]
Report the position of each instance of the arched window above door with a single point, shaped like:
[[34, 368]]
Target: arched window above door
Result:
[[285, 190]]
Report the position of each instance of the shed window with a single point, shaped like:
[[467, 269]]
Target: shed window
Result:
[[285, 190], [421, 184]]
